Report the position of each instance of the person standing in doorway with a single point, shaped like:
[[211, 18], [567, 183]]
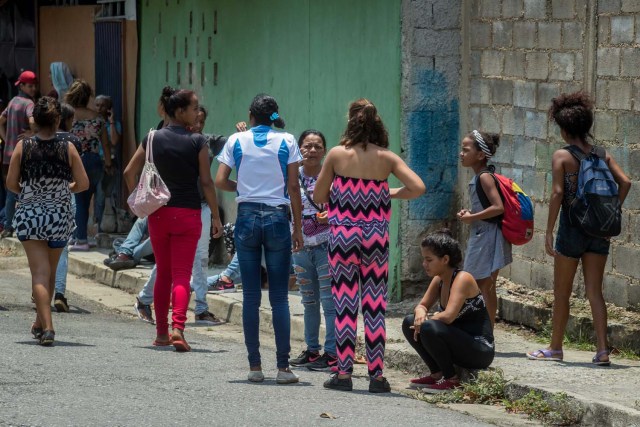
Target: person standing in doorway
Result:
[[106, 186], [268, 191], [16, 123], [353, 180]]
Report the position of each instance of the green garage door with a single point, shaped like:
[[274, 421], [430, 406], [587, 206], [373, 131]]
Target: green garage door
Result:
[[314, 57]]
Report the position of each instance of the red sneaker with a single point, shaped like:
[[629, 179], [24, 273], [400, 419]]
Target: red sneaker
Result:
[[428, 380], [445, 384]]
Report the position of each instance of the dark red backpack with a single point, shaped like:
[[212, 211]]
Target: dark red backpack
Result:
[[516, 222]]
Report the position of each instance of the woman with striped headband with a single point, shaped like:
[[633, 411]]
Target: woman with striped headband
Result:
[[487, 250]]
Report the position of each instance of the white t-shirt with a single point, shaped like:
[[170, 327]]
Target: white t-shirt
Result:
[[261, 156]]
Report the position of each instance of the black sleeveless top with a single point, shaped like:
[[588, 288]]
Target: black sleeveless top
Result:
[[473, 317]]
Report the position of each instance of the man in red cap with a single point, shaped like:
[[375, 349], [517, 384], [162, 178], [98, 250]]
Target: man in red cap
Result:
[[16, 123]]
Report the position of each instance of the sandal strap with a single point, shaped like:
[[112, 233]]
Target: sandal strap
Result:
[[547, 353]]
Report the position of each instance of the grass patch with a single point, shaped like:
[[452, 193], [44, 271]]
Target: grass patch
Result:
[[490, 388]]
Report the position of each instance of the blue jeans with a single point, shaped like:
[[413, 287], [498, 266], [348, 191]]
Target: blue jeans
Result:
[[311, 265], [134, 245], [9, 209], [258, 227], [232, 272], [63, 264], [94, 168], [146, 293], [201, 262]]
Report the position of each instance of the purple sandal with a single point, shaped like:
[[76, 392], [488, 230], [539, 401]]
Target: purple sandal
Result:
[[597, 361], [546, 354]]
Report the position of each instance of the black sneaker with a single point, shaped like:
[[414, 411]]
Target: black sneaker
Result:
[[60, 303], [305, 357], [323, 363], [336, 383], [143, 311], [379, 386], [122, 262]]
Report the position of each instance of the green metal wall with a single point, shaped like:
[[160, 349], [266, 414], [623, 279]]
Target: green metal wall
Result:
[[314, 57]]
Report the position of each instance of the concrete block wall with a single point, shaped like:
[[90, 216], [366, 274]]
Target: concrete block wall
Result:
[[522, 53], [431, 69]]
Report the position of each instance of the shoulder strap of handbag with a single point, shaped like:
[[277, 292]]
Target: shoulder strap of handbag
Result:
[[150, 146], [306, 193]]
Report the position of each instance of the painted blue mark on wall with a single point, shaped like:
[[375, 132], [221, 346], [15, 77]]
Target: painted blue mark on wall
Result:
[[434, 144]]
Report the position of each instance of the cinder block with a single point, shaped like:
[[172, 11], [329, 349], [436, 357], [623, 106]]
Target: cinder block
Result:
[[605, 125], [428, 42], [501, 91], [524, 150], [535, 9], [492, 63], [546, 92], [602, 93], [489, 9], [524, 34], [581, 9], [609, 6], [604, 30], [630, 62], [631, 5], [543, 155], [541, 275], [480, 92], [535, 124], [534, 182], [541, 214], [579, 68], [505, 151], [480, 34], [608, 62], [622, 28], [636, 95], [449, 66], [446, 14], [625, 260], [620, 95], [512, 8], [563, 9], [562, 66], [475, 58], [521, 272], [421, 14], [537, 65], [524, 94], [628, 127], [514, 63], [513, 124], [632, 202], [572, 35], [474, 117], [502, 34], [549, 35], [633, 294], [490, 119]]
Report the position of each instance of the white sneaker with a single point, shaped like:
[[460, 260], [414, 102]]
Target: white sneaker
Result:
[[256, 376], [287, 377]]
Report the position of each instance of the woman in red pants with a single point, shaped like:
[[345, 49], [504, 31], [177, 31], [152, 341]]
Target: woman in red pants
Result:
[[182, 159]]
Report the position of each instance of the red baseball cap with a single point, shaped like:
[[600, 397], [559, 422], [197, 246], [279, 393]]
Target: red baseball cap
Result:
[[27, 77]]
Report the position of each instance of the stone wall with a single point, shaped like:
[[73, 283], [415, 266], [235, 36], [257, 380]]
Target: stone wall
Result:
[[431, 68], [522, 53]]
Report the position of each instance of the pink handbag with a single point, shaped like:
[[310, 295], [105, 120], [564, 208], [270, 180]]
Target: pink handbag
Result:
[[151, 193]]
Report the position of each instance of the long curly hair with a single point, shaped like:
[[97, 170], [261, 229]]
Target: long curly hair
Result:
[[364, 126], [573, 112]]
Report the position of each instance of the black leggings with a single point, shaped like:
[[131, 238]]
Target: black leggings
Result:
[[441, 346]]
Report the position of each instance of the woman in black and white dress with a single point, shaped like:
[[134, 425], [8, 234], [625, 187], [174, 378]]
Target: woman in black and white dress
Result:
[[44, 170]]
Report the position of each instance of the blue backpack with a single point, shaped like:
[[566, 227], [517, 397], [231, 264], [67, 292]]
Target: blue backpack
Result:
[[596, 208]]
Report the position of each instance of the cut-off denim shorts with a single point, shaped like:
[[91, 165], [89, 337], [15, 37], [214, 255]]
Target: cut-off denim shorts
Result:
[[53, 244], [572, 242]]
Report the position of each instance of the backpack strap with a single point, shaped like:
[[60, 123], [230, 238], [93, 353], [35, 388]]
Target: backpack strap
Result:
[[579, 155], [484, 200]]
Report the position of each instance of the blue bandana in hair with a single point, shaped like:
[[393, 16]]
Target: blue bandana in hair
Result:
[[273, 117]]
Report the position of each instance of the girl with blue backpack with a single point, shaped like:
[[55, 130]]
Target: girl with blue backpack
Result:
[[589, 216]]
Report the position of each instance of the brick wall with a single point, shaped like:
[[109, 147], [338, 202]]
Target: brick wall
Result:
[[522, 53]]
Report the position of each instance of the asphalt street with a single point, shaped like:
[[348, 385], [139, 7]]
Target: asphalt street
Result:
[[103, 371]]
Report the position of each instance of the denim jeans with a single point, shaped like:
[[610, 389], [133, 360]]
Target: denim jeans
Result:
[[232, 272], [311, 265], [146, 293], [201, 262], [9, 209], [134, 246], [63, 264], [94, 168], [258, 227]]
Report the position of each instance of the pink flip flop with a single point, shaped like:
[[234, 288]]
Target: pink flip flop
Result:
[[546, 354]]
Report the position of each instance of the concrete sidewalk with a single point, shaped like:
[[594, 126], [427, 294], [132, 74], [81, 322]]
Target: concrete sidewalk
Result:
[[606, 395]]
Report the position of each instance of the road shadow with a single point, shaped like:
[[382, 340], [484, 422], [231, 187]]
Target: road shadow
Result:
[[271, 382], [511, 354], [57, 343], [172, 349]]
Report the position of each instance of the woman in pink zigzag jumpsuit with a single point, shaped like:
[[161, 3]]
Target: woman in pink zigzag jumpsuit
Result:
[[354, 182]]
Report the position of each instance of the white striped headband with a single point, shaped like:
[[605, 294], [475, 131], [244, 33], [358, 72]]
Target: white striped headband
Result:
[[483, 145]]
